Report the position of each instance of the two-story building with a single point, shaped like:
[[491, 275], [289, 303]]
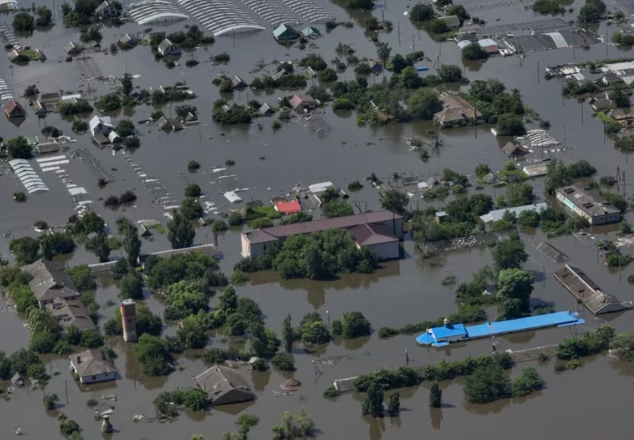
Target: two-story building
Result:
[[50, 282], [590, 206]]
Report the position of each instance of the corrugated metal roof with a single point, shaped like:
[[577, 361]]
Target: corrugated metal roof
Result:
[[496, 215]]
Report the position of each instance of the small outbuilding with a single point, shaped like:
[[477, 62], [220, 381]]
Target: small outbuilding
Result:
[[311, 32], [127, 41], [167, 48], [265, 110], [106, 10], [377, 237], [303, 102], [168, 124], [286, 208], [374, 65], [285, 33], [14, 109], [39, 55], [490, 179], [452, 21], [47, 148], [114, 137], [238, 83], [225, 385], [72, 48], [513, 150], [39, 108], [100, 140]]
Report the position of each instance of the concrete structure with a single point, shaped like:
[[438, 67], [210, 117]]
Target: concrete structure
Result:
[[285, 33], [106, 10], [128, 320], [50, 281], [224, 385], [590, 206], [452, 21], [588, 292], [14, 109], [378, 238], [497, 214], [92, 366], [256, 242], [100, 125], [455, 111], [167, 48], [71, 312], [448, 333], [303, 102]]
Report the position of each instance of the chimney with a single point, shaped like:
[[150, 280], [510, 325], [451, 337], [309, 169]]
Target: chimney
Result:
[[78, 359], [103, 356]]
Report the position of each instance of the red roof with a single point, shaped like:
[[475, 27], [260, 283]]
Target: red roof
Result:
[[288, 207]]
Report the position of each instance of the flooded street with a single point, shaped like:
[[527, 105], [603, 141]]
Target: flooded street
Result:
[[269, 163]]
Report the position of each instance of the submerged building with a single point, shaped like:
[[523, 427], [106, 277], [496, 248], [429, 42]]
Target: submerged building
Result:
[[225, 385], [588, 292], [590, 206]]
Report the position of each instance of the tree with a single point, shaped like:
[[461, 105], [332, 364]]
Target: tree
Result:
[[355, 325], [31, 91], [288, 334], [99, 245], [259, 339], [184, 299], [373, 402], [336, 208], [126, 84], [91, 34], [449, 73], [131, 286], [109, 102], [153, 355], [509, 254], [519, 194], [529, 381], [423, 104], [557, 175], [181, 232], [581, 168], [510, 125], [622, 347], [399, 63], [422, 12], [383, 51], [394, 404], [91, 339], [19, 148], [459, 11], [125, 128], [191, 209], [591, 12], [516, 284], [82, 277], [25, 249], [487, 385], [411, 79], [315, 332], [23, 22], [435, 395], [395, 201], [620, 98], [191, 333], [50, 401], [131, 142], [473, 52], [44, 17], [132, 246], [482, 170], [437, 26], [193, 190]]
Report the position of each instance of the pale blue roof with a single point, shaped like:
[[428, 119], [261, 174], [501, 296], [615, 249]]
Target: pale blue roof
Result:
[[283, 30], [496, 215]]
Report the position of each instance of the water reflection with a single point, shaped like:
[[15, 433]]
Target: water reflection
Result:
[[260, 379], [435, 414]]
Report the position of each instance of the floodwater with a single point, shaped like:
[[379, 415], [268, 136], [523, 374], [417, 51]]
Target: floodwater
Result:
[[271, 163]]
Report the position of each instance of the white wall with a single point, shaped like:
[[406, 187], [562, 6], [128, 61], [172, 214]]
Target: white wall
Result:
[[386, 251]]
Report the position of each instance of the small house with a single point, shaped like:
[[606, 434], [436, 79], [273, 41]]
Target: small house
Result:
[[452, 21], [238, 83], [144, 232], [225, 385], [167, 48], [311, 32], [513, 150], [14, 109], [601, 104], [127, 41], [279, 74], [8, 5], [47, 148], [610, 78], [440, 216], [15, 54], [92, 366], [310, 72], [100, 125], [490, 179], [191, 119], [374, 65], [168, 124], [285, 33], [265, 110], [114, 138], [303, 102], [38, 55], [106, 10], [39, 108], [72, 48]]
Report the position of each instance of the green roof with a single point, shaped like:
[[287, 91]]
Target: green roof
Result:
[[283, 31]]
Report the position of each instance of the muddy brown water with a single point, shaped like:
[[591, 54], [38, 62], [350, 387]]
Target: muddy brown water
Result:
[[402, 292]]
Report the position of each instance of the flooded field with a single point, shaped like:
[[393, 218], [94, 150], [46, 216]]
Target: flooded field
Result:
[[269, 163]]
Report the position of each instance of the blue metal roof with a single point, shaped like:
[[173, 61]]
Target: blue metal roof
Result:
[[448, 331], [521, 324]]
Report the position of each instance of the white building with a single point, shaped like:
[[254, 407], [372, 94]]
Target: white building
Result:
[[101, 125], [93, 366], [106, 10]]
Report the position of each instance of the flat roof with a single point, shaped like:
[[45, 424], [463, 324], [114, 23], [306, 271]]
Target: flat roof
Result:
[[448, 331]]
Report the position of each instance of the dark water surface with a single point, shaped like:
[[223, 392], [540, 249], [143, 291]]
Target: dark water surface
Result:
[[402, 292]]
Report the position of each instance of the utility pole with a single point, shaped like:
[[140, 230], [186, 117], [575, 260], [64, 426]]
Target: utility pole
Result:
[[398, 26], [538, 80]]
